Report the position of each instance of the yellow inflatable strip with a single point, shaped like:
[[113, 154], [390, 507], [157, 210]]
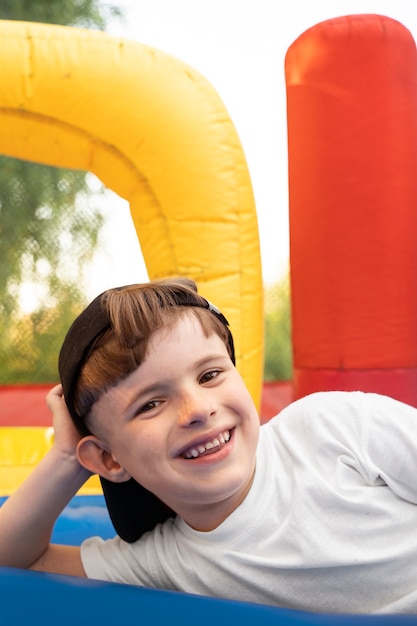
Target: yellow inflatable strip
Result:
[[21, 449], [153, 130]]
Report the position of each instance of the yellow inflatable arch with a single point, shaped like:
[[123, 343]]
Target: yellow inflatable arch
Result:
[[154, 131]]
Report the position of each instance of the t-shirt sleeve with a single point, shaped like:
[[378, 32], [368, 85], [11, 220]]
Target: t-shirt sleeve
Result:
[[372, 434], [149, 562], [92, 557], [112, 560], [391, 442]]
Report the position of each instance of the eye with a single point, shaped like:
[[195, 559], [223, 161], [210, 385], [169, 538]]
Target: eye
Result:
[[209, 376], [149, 406]]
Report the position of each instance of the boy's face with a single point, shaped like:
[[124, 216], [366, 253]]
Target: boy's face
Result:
[[184, 425]]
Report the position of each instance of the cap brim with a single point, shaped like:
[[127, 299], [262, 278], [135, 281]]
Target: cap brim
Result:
[[133, 509]]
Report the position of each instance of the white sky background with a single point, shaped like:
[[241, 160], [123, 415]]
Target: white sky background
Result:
[[240, 46]]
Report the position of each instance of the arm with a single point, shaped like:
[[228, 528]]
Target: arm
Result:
[[28, 516], [391, 444], [370, 433]]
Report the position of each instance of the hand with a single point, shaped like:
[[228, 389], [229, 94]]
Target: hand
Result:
[[66, 435]]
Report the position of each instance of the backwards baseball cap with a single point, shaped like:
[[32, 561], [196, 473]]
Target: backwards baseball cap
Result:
[[133, 509]]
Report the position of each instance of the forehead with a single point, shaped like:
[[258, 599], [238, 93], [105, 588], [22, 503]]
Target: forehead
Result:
[[185, 335]]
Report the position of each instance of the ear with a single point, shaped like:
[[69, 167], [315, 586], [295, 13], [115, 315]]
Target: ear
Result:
[[94, 455]]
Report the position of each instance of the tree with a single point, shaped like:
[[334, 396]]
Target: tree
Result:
[[278, 345], [41, 222], [85, 13]]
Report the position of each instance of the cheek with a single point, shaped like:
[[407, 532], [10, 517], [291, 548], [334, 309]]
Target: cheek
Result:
[[242, 397], [144, 456], [142, 444], [250, 417]]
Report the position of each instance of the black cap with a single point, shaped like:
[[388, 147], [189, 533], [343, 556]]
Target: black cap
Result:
[[133, 509]]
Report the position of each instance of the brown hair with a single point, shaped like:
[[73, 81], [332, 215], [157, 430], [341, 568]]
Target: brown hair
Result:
[[135, 312]]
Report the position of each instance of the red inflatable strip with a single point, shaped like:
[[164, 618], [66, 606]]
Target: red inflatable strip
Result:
[[24, 405], [398, 383]]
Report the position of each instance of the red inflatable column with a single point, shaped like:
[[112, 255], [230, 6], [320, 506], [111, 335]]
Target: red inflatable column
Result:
[[352, 138]]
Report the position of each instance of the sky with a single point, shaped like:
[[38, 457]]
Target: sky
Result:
[[240, 47]]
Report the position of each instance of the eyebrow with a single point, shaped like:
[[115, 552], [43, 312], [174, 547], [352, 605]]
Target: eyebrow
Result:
[[208, 358]]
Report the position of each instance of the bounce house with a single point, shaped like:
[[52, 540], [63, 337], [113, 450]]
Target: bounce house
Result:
[[154, 131]]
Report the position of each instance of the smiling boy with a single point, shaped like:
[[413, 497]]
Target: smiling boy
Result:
[[315, 511]]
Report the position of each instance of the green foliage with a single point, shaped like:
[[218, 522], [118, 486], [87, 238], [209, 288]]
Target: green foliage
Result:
[[30, 346], [278, 345], [85, 13], [35, 211], [46, 236]]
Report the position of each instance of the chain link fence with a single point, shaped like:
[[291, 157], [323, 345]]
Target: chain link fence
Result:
[[59, 248]]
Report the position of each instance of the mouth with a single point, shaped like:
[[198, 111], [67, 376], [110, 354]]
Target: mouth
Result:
[[208, 447]]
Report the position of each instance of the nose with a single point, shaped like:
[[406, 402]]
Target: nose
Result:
[[195, 408]]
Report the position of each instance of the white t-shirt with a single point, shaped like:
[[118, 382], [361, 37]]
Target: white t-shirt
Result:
[[329, 525]]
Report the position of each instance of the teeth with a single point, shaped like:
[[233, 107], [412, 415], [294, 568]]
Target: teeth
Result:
[[222, 438]]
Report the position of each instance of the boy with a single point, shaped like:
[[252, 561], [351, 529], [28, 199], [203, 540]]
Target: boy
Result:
[[314, 511]]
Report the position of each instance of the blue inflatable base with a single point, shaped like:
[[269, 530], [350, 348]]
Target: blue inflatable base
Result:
[[42, 599], [83, 517], [39, 599]]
